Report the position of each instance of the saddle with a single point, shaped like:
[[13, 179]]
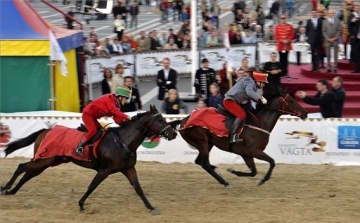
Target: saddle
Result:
[[98, 134], [229, 118]]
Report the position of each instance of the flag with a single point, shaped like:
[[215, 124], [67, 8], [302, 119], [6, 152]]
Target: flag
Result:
[[56, 53], [227, 46]]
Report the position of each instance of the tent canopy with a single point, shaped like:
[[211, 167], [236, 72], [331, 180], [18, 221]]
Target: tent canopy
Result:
[[30, 35]]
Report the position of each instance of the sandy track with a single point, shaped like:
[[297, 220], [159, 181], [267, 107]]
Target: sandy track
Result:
[[186, 193]]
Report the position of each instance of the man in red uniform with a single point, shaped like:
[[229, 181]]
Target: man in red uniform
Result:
[[284, 33], [107, 105]]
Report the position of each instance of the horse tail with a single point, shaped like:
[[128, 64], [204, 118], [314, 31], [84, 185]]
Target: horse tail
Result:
[[20, 143], [174, 124]]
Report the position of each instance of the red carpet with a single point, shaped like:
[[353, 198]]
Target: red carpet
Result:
[[306, 81]]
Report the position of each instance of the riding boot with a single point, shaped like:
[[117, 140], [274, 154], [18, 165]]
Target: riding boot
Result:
[[80, 149], [234, 137]]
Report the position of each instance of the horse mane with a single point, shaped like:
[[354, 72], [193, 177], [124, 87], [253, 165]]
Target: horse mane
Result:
[[134, 118], [271, 93]]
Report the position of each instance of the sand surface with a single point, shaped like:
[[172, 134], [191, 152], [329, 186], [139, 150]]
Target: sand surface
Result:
[[186, 193]]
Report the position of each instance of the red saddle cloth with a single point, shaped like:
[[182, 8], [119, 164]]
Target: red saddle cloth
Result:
[[62, 141], [208, 118]]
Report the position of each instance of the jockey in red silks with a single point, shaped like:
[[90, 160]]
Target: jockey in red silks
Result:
[[106, 105], [240, 94]]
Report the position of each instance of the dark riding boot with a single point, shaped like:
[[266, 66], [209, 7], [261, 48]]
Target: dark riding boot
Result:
[[80, 149], [234, 137]]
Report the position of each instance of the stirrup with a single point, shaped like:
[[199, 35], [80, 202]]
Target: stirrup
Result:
[[79, 151], [235, 139]]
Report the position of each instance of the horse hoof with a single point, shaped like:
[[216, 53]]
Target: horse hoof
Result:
[[155, 212], [228, 187], [260, 182], [230, 170], [5, 193]]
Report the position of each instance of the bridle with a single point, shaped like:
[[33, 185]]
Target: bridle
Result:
[[163, 129], [282, 110]]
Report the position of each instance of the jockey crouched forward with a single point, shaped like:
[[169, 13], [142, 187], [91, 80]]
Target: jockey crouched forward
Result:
[[241, 94], [107, 105]]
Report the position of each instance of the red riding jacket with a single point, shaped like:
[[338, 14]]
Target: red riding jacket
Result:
[[106, 105], [284, 32]]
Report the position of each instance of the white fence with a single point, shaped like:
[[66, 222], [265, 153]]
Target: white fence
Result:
[[293, 141]]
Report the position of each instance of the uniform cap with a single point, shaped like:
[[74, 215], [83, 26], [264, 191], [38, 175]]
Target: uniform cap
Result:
[[260, 77], [123, 91]]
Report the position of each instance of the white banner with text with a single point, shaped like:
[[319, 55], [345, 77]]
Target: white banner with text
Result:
[[292, 141]]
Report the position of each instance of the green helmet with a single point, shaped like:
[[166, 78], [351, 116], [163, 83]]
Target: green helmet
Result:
[[123, 91]]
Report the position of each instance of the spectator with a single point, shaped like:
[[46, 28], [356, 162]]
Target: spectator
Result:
[[201, 103], [108, 44], [166, 79], [184, 15], [215, 9], [102, 51], [223, 80], [340, 94], [119, 26], [164, 8], [106, 82], [133, 103], [69, 21], [248, 38], [274, 11], [143, 43], [171, 45], [178, 8], [134, 12], [331, 28], [172, 35], [270, 36], [215, 98], [245, 23], [125, 43], [203, 78], [325, 3], [116, 47], [164, 39], [212, 40], [354, 27], [117, 79], [88, 48], [204, 9], [238, 38], [132, 42], [92, 31], [172, 104], [154, 41], [185, 43], [220, 36], [202, 39], [324, 98], [273, 69], [290, 8], [300, 38], [314, 34], [123, 10], [116, 9], [260, 18], [239, 19], [258, 34]]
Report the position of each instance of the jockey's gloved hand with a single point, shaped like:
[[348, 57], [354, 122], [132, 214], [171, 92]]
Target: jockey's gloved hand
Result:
[[263, 100]]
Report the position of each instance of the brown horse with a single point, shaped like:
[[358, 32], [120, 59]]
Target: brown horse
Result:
[[256, 135], [115, 153]]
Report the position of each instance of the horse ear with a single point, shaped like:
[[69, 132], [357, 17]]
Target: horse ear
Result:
[[151, 108], [154, 108]]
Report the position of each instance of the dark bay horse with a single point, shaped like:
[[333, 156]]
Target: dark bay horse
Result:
[[112, 155], [256, 135]]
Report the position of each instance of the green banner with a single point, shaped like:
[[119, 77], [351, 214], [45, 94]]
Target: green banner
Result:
[[24, 84]]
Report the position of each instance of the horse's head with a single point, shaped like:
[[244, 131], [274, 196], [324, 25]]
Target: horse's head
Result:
[[157, 125], [285, 104]]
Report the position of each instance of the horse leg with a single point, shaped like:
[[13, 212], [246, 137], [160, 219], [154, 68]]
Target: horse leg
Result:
[[205, 164], [20, 169], [259, 154], [131, 175], [99, 177], [250, 163], [33, 169]]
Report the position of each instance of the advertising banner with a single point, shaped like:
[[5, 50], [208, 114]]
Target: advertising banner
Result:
[[95, 67], [217, 56], [292, 141], [150, 63]]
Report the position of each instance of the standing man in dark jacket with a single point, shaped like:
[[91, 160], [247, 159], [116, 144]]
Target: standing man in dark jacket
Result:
[[166, 79], [314, 34], [133, 103], [68, 20], [203, 78], [324, 98], [134, 12], [354, 30], [339, 93]]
